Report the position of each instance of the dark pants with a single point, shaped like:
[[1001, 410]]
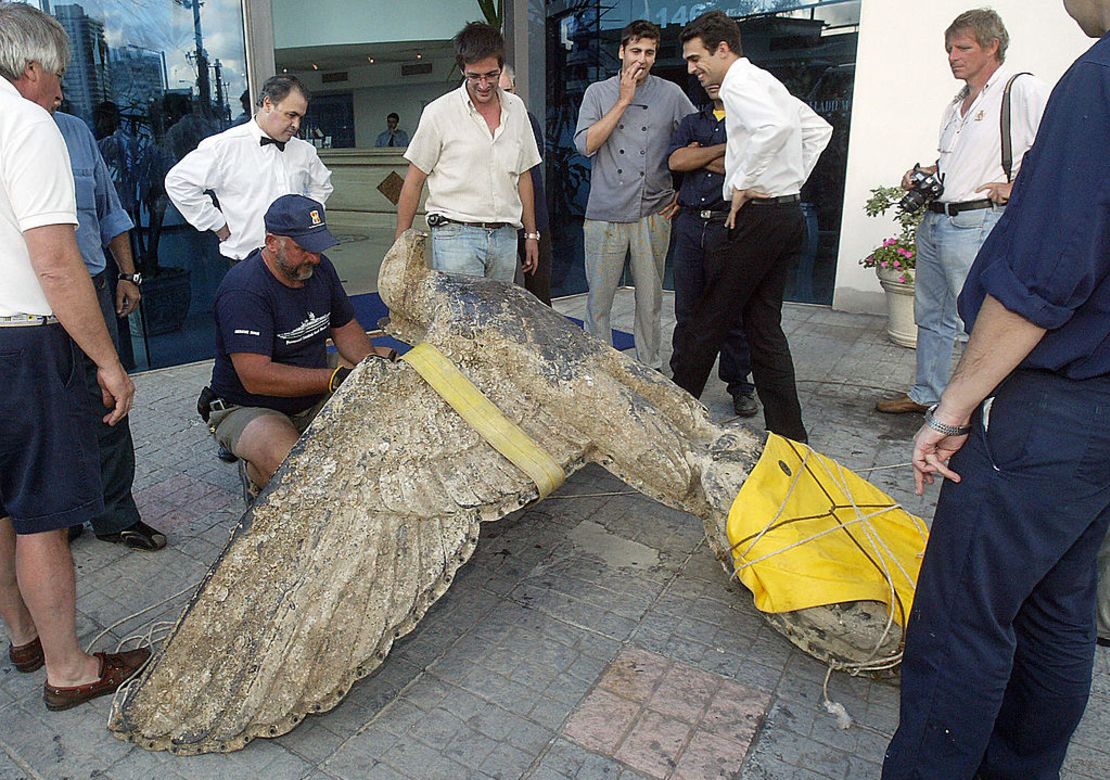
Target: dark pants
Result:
[[117, 451], [745, 278], [694, 240], [539, 283], [1000, 645]]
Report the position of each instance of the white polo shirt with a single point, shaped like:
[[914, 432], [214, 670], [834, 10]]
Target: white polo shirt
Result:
[[246, 177], [970, 147], [472, 174], [36, 189]]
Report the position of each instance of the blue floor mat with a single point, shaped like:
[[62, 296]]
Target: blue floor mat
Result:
[[369, 309]]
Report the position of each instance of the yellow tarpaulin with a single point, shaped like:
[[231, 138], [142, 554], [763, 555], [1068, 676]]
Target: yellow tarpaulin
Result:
[[805, 531]]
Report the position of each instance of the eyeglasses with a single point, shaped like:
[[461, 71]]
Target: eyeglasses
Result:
[[491, 77]]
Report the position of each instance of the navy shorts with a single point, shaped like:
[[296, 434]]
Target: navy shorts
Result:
[[49, 464]]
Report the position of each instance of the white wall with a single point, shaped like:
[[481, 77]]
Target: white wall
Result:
[[334, 22], [902, 86]]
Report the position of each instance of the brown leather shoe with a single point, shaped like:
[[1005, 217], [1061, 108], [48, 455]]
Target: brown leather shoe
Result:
[[903, 404], [28, 657], [115, 670]]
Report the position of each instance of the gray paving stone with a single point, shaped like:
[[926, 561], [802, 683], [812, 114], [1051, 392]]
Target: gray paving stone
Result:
[[506, 762]]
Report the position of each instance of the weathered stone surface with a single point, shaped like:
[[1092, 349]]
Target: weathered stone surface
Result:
[[378, 506]]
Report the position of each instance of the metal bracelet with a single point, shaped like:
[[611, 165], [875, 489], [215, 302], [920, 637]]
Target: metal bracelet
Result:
[[945, 428]]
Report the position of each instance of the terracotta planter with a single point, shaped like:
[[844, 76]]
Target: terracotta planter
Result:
[[900, 324]]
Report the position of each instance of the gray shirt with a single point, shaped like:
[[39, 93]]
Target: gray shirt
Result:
[[630, 178]]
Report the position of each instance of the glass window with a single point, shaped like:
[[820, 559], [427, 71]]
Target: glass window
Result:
[[809, 46], [152, 78]]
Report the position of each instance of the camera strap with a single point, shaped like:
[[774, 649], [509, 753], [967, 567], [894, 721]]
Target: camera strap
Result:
[[1007, 141]]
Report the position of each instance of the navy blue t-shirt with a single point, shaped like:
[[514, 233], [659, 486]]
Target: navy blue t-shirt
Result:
[[1048, 258], [256, 313]]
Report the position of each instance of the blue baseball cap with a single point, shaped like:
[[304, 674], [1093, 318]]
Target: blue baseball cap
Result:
[[301, 219]]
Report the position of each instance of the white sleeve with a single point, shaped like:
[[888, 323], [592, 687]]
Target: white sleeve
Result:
[[185, 185], [424, 147], [319, 178], [38, 178], [1028, 97], [753, 114], [816, 133]]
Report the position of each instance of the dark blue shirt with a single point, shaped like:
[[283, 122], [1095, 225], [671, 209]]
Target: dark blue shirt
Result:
[[256, 313], [540, 197], [701, 189], [1048, 258]]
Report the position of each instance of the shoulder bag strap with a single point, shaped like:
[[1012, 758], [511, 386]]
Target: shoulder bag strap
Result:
[[1007, 142]]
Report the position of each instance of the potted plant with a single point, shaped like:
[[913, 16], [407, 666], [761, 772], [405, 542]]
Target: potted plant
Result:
[[894, 262]]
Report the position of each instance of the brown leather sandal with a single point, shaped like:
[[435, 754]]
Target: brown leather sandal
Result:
[[115, 670], [28, 657]]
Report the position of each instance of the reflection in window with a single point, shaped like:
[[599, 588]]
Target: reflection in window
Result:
[[152, 78]]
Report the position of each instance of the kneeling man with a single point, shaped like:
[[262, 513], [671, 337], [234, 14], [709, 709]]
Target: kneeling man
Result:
[[274, 313]]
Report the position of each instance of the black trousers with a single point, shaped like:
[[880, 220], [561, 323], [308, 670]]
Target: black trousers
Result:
[[745, 280]]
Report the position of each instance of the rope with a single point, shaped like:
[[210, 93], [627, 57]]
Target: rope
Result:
[[872, 540]]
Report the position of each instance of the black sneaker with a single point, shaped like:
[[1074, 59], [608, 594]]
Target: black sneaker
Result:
[[138, 537], [745, 405]]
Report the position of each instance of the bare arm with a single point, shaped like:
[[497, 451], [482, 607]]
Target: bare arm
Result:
[[352, 342], [694, 157], [599, 132], [410, 199], [528, 217], [69, 291], [127, 293], [999, 342], [261, 376]]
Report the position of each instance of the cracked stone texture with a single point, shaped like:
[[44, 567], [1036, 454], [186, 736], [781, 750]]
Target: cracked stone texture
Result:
[[490, 658]]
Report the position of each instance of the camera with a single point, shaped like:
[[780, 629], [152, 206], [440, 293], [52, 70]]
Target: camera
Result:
[[925, 187]]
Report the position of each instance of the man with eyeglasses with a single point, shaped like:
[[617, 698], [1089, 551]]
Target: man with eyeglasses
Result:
[[474, 148]]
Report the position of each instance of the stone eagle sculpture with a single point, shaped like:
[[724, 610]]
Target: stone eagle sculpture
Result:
[[379, 504]]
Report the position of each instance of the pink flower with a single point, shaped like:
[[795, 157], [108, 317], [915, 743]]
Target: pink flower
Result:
[[896, 264], [905, 252], [890, 241]]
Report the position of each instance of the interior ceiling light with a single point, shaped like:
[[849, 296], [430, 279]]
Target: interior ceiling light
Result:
[[370, 60], [419, 56], [315, 66]]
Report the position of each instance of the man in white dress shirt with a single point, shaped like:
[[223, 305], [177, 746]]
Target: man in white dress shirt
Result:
[[248, 167], [976, 188], [773, 143], [472, 146]]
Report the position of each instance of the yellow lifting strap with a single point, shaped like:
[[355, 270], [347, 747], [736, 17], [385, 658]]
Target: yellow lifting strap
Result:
[[805, 531], [503, 435]]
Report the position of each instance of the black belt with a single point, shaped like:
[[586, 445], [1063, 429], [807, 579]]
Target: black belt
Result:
[[795, 198], [952, 209], [436, 220], [706, 213]]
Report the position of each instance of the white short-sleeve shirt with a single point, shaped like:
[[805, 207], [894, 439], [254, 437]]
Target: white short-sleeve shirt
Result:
[[36, 189], [472, 173]]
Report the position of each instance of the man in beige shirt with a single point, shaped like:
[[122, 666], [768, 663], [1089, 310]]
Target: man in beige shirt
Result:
[[472, 146]]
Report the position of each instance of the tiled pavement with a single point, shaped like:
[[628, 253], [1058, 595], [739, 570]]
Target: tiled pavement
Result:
[[592, 636]]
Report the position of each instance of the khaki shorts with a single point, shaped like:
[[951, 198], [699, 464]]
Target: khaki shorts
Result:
[[228, 424]]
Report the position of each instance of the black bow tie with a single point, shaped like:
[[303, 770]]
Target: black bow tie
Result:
[[267, 140]]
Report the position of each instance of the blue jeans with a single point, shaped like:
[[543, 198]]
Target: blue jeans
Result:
[[946, 247], [475, 251], [1001, 637], [694, 239]]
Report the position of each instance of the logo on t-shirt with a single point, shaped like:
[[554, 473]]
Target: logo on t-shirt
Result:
[[312, 326]]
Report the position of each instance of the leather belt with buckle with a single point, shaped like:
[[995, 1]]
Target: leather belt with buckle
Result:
[[952, 209], [708, 213], [27, 320], [436, 220], [782, 199]]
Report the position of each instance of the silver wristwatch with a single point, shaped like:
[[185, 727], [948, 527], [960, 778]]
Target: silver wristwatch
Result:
[[945, 428], [133, 278]]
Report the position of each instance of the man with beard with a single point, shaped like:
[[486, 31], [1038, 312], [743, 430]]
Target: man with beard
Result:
[[274, 314]]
